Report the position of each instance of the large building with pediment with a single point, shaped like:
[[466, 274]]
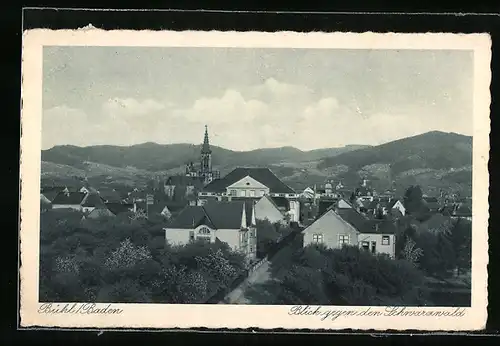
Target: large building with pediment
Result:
[[253, 183]]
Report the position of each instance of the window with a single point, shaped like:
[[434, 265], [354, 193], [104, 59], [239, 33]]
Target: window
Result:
[[203, 238], [232, 193], [365, 245], [251, 249], [252, 233], [386, 240], [317, 238], [343, 239], [261, 193], [243, 193], [252, 193], [204, 230]]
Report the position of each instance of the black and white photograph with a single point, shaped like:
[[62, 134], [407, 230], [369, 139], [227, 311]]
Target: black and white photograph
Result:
[[265, 176]]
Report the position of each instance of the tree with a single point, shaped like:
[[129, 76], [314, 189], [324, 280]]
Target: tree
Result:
[[461, 239], [438, 256], [217, 266], [410, 252], [267, 236], [413, 201], [124, 259], [347, 276], [178, 284], [126, 256]]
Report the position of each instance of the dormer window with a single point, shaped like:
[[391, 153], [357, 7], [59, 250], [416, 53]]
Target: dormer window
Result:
[[204, 230]]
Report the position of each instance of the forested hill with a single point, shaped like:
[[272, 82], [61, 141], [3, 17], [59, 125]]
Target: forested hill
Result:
[[157, 157], [431, 150]]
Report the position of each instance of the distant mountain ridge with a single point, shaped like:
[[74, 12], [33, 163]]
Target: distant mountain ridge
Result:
[[157, 157], [435, 160]]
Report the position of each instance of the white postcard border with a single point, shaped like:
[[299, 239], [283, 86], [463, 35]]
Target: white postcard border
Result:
[[247, 316]]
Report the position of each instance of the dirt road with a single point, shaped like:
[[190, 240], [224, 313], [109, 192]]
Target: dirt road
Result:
[[259, 276]]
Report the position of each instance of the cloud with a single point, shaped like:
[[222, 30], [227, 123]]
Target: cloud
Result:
[[130, 106], [271, 114], [231, 107]]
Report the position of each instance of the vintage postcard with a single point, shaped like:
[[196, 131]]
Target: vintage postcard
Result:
[[254, 180]]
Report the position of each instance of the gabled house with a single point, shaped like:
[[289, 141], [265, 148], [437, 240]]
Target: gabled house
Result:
[[167, 210], [50, 192], [378, 237], [69, 200], [189, 185], [398, 207], [230, 222], [244, 182], [84, 189], [308, 193], [267, 209], [91, 202], [120, 208], [346, 226], [110, 195], [99, 212], [343, 204]]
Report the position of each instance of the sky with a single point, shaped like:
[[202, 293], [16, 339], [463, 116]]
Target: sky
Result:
[[252, 98]]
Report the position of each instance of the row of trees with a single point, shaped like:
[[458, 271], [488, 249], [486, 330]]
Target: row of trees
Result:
[[126, 259], [346, 276]]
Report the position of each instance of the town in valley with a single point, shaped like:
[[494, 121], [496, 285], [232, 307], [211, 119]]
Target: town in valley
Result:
[[269, 232]]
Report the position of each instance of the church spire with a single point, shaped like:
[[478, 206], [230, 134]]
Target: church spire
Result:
[[206, 145]]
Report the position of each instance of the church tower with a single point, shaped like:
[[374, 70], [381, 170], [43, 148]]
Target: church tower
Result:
[[206, 155]]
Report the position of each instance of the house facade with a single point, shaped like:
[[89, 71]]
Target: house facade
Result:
[[266, 209], [331, 231], [230, 222], [346, 226], [251, 183], [378, 238]]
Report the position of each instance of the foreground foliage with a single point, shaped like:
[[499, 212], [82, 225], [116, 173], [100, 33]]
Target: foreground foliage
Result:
[[125, 260], [347, 276]]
